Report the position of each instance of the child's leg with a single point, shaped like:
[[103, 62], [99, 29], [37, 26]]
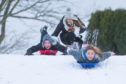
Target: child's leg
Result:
[[43, 32], [59, 28]]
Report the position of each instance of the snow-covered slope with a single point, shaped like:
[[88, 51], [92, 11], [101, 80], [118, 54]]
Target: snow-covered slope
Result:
[[19, 69]]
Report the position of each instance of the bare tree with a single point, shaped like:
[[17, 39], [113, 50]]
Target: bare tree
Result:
[[6, 8], [38, 10]]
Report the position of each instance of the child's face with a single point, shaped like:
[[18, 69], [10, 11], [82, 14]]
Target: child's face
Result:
[[69, 20], [47, 44], [90, 54]]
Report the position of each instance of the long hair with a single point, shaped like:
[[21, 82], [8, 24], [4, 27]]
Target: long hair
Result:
[[95, 49]]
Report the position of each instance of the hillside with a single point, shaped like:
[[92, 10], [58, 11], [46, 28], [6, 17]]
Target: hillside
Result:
[[19, 69]]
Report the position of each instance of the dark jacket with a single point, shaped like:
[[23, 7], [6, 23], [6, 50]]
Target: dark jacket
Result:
[[66, 37], [77, 54], [40, 47], [53, 48]]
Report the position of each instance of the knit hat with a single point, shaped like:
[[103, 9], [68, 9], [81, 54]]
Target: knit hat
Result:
[[68, 15], [46, 37]]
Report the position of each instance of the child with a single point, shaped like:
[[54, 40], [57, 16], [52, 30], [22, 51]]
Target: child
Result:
[[89, 54], [47, 45], [67, 27]]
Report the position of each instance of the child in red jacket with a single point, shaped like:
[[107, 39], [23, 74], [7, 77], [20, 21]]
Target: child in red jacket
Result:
[[47, 45]]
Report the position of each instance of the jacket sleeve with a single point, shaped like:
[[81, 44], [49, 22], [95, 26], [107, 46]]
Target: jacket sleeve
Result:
[[77, 55], [33, 49], [61, 48], [59, 27], [106, 55]]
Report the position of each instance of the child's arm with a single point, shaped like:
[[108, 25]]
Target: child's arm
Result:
[[76, 54], [61, 48], [33, 49], [107, 55]]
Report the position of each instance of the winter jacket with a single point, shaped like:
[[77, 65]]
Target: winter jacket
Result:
[[43, 51], [66, 37], [77, 54], [62, 27], [52, 51]]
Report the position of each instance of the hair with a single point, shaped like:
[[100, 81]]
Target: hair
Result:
[[95, 49]]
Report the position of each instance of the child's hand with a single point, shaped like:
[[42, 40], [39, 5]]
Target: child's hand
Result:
[[112, 53], [84, 45]]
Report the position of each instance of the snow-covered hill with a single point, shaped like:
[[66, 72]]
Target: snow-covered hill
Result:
[[19, 69]]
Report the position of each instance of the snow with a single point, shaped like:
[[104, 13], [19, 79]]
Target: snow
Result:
[[19, 69]]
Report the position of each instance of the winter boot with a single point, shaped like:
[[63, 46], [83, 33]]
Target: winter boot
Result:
[[87, 37], [43, 29], [82, 30], [94, 37]]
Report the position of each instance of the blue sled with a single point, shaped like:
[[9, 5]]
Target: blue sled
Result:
[[88, 65]]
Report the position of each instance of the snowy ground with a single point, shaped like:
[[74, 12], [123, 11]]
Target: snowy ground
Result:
[[19, 69]]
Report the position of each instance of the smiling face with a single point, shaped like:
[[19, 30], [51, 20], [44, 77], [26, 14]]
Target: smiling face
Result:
[[47, 44], [90, 54], [69, 22]]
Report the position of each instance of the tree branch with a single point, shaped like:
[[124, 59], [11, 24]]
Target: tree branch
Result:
[[13, 7], [6, 12], [2, 32], [32, 18], [2, 4], [30, 6]]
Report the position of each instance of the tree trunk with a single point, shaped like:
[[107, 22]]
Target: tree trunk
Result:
[[2, 32]]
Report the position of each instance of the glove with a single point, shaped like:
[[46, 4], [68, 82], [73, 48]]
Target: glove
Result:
[[112, 53], [29, 52], [43, 28]]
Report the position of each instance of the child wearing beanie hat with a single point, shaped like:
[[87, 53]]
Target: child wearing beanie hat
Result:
[[71, 25], [46, 45]]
